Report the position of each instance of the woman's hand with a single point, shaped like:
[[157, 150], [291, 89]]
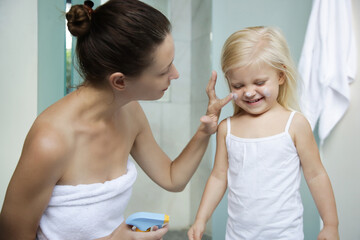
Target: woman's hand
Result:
[[124, 232], [210, 120], [196, 231], [329, 233]]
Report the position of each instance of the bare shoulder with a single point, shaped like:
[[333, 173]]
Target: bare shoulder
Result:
[[46, 146], [222, 128], [300, 128], [135, 111], [300, 123], [40, 167], [136, 116], [133, 106]]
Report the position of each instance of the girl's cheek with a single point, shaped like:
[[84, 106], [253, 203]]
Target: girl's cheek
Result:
[[266, 92], [235, 96]]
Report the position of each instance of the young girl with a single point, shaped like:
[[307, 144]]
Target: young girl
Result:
[[74, 179], [263, 146]]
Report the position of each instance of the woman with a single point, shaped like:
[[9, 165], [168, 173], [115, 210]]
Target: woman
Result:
[[73, 179]]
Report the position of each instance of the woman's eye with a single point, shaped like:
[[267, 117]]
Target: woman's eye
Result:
[[164, 73]]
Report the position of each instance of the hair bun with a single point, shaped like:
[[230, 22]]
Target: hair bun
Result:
[[89, 3], [78, 20]]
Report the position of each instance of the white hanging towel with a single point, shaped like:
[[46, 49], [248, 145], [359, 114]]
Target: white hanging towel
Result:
[[327, 64]]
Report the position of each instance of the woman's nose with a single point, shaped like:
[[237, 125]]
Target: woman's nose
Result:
[[174, 73]]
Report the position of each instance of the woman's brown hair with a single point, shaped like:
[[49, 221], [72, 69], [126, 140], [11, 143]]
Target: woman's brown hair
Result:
[[118, 36]]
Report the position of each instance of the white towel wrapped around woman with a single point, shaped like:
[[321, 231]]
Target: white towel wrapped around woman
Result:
[[87, 211]]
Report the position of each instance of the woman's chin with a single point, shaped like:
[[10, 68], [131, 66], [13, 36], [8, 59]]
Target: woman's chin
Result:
[[153, 97]]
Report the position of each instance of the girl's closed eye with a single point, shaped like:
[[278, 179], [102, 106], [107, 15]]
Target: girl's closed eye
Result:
[[237, 86], [260, 83]]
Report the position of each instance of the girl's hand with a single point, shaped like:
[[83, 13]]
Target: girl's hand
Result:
[[196, 231], [329, 233], [210, 120], [124, 232]]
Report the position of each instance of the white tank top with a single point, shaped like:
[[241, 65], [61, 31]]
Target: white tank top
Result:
[[263, 187]]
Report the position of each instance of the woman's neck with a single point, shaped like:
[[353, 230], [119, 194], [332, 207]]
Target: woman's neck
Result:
[[99, 104]]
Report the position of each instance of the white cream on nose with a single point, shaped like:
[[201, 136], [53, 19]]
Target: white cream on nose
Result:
[[247, 94]]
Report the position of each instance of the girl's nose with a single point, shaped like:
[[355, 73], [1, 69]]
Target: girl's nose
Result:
[[249, 93]]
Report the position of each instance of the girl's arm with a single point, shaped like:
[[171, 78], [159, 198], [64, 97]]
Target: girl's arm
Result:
[[316, 177], [174, 175], [215, 187], [30, 188]]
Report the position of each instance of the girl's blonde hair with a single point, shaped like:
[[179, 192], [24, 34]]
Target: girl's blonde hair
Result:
[[257, 45]]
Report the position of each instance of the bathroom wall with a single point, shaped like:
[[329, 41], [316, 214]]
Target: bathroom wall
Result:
[[18, 81]]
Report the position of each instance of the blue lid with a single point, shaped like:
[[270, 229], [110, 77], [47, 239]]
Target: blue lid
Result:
[[145, 220]]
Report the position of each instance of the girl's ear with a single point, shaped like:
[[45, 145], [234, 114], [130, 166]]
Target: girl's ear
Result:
[[117, 81], [282, 77]]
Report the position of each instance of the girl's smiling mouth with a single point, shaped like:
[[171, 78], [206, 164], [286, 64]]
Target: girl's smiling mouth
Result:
[[254, 101]]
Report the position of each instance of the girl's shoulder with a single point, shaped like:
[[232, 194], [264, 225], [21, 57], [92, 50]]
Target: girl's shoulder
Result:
[[300, 126], [222, 128], [226, 123], [300, 122]]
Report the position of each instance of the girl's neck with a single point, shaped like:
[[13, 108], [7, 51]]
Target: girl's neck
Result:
[[274, 109]]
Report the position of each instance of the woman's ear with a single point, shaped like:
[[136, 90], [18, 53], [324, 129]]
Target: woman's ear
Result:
[[117, 81]]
